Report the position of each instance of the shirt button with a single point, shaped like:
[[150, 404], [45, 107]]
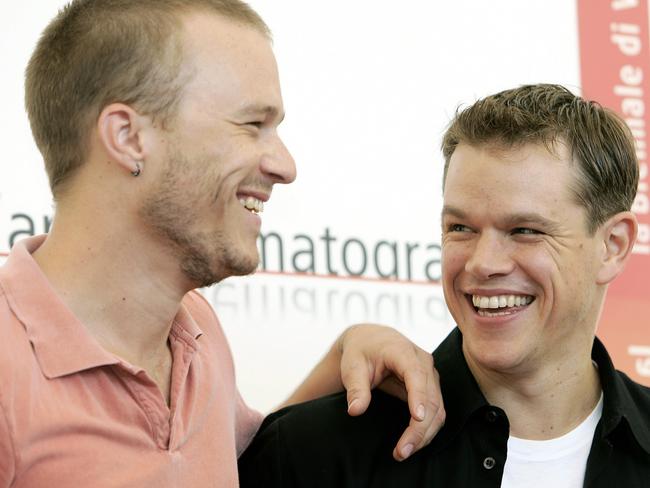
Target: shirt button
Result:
[[491, 416], [489, 463]]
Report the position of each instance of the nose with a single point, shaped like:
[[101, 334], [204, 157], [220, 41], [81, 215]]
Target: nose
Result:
[[489, 257], [278, 163]]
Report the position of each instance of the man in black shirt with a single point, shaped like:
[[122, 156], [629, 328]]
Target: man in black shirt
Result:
[[536, 222]]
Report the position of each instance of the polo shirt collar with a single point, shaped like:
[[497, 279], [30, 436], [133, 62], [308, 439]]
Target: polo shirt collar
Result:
[[185, 327], [623, 400], [62, 344]]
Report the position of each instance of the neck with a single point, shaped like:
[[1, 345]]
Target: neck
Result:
[[548, 403], [124, 290]]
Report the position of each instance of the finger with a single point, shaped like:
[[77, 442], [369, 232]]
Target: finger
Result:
[[356, 378], [426, 408], [421, 384], [418, 383], [416, 436]]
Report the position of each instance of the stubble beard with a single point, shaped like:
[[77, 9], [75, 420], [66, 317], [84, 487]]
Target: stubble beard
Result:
[[204, 257]]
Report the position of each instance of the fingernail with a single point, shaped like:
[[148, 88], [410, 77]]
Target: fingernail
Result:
[[406, 450], [420, 412], [352, 403]]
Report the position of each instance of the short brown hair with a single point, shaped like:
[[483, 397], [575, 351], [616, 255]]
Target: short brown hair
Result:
[[600, 143], [96, 52]]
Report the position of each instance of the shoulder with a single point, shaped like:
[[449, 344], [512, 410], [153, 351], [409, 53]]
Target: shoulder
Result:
[[318, 439], [638, 391], [328, 417], [634, 396], [633, 403]]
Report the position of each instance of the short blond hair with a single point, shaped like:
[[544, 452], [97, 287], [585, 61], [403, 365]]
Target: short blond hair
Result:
[[97, 52]]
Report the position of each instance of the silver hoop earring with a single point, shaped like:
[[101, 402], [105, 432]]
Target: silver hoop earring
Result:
[[138, 170]]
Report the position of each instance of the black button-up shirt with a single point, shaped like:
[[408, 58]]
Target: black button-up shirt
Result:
[[316, 444]]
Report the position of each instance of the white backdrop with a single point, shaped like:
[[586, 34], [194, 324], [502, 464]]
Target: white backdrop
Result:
[[369, 87]]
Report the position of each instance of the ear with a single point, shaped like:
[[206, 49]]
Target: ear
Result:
[[619, 234], [120, 132]]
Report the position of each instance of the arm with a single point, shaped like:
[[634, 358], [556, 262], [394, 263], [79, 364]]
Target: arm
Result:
[[366, 356]]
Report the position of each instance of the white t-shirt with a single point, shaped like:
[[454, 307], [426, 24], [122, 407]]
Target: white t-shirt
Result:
[[556, 463]]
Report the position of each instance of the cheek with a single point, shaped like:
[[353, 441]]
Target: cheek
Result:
[[454, 258], [211, 185], [453, 262], [560, 280], [540, 265]]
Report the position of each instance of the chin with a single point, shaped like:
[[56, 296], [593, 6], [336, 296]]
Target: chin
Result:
[[506, 364], [238, 263], [207, 264], [495, 355], [243, 267]]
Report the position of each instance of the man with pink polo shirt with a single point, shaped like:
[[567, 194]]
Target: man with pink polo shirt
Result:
[[157, 121]]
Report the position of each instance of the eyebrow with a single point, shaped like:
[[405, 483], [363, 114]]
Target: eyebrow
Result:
[[452, 211], [267, 110], [533, 218], [511, 220]]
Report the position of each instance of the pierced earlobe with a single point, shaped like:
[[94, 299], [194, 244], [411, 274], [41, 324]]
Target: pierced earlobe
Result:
[[138, 169]]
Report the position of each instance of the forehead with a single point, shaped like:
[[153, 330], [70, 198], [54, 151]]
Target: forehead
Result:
[[228, 64], [516, 180]]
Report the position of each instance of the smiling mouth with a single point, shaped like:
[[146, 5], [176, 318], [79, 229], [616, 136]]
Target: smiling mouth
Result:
[[494, 305], [252, 204]]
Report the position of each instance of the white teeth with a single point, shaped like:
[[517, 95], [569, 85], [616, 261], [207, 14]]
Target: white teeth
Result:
[[500, 301], [253, 204]]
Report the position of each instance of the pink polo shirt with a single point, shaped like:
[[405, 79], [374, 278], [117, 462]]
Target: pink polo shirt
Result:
[[74, 415]]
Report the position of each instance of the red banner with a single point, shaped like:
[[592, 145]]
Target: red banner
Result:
[[615, 69]]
